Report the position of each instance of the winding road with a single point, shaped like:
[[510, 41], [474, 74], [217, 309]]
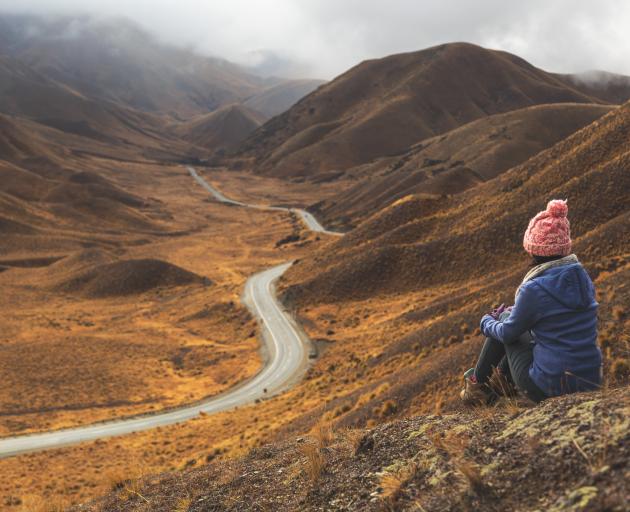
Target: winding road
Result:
[[308, 218], [285, 352]]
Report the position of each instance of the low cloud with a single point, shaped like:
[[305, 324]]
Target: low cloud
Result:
[[325, 37]]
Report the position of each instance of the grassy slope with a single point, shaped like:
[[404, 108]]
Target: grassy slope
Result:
[[569, 454], [224, 128], [398, 334], [381, 107], [409, 285], [456, 161]]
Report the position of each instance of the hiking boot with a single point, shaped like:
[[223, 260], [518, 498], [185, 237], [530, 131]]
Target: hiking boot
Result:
[[475, 393]]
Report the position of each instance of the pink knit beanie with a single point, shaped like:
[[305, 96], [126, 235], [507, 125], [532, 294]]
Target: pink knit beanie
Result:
[[548, 233]]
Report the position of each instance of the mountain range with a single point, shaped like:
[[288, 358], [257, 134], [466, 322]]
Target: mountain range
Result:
[[430, 162]]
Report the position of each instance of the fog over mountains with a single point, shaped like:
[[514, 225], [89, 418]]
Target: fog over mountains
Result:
[[116, 60], [322, 39]]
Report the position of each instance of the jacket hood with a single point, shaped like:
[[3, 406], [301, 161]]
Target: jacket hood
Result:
[[570, 285]]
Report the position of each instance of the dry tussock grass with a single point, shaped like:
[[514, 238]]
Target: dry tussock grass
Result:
[[387, 408], [392, 483], [315, 461], [472, 474], [455, 445], [439, 404], [598, 458], [323, 434], [40, 504], [352, 437], [228, 474], [127, 480], [183, 505], [322, 437], [118, 478]]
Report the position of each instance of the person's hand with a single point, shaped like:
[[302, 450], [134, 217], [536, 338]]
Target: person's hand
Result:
[[496, 313], [502, 316]]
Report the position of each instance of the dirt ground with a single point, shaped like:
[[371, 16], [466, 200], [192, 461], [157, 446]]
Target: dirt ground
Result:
[[568, 454]]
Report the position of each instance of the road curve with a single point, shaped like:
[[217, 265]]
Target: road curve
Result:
[[307, 217], [285, 351]]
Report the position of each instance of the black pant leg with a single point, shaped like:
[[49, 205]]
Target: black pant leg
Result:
[[520, 355], [490, 357], [504, 369]]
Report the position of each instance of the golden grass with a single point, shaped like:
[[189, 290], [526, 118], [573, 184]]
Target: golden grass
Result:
[[314, 451], [598, 458], [183, 505], [323, 434], [455, 445], [147, 352], [352, 437], [315, 461], [117, 478], [391, 483], [471, 473], [439, 404], [39, 504]]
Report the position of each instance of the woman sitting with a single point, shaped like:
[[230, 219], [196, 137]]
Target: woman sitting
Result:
[[546, 344]]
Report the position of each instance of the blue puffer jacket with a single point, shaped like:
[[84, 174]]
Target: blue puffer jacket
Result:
[[559, 308]]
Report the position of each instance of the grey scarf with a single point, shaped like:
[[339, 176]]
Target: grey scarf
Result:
[[539, 269]]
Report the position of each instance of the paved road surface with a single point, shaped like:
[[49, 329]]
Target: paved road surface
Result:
[[285, 350], [307, 217]]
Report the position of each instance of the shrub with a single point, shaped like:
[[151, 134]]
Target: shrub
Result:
[[324, 434], [315, 461]]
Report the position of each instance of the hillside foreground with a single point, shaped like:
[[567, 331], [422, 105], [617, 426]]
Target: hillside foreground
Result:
[[569, 453]]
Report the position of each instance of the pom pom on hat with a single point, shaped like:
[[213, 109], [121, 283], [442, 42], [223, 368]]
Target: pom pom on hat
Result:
[[558, 208]]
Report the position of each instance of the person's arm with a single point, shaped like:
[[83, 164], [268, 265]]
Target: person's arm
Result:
[[522, 318]]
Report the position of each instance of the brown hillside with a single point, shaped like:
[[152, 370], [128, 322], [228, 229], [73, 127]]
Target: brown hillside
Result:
[[47, 208], [224, 129], [570, 454], [83, 186], [54, 198], [493, 215], [412, 282], [27, 93], [381, 107], [126, 277], [117, 61], [78, 262], [18, 141], [41, 176], [453, 162], [70, 196], [280, 97]]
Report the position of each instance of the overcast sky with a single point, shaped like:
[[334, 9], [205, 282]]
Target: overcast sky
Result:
[[322, 38]]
